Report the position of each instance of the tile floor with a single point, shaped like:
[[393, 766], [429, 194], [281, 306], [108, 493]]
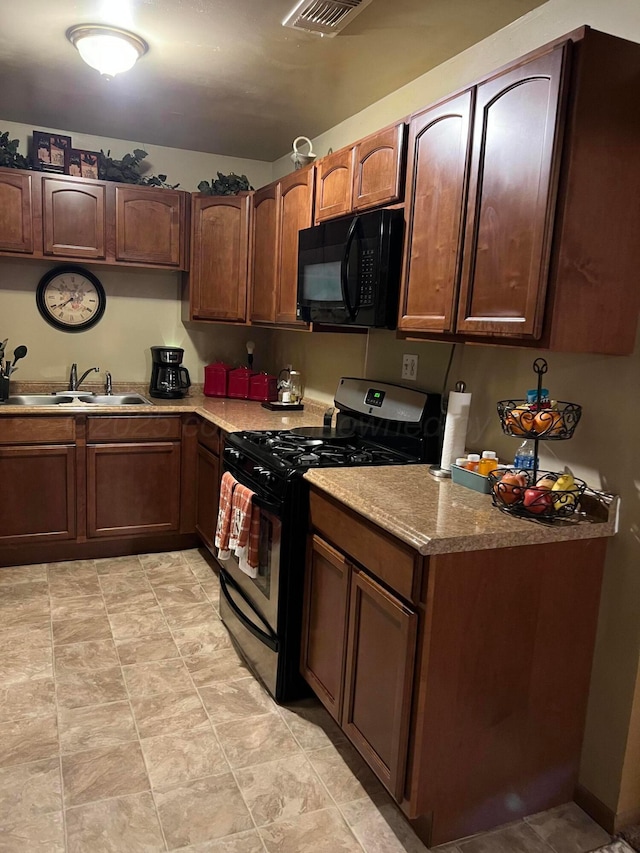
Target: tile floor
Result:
[[128, 724]]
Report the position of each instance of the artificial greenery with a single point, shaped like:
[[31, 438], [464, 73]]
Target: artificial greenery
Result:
[[127, 170], [9, 157], [230, 184]]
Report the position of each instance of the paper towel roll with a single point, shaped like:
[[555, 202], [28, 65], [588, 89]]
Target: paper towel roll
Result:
[[455, 428]]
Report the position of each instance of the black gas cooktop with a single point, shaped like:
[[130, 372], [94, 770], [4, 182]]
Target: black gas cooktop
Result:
[[289, 451]]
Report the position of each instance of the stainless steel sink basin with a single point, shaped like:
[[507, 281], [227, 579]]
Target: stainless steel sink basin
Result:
[[77, 399], [37, 400], [114, 399]]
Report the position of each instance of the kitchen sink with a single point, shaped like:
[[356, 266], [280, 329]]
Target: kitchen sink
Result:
[[77, 399], [37, 400], [114, 399]]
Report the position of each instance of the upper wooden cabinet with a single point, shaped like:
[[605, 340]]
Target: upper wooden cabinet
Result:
[[74, 218], [62, 217], [148, 225], [16, 211], [280, 211], [521, 222], [364, 175], [219, 257]]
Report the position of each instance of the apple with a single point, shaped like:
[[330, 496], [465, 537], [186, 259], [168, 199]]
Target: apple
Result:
[[510, 487], [538, 501]]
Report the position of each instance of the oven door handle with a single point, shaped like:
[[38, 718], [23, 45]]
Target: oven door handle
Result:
[[269, 639], [269, 506]]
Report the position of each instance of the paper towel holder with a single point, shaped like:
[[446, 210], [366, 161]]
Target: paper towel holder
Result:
[[436, 470]]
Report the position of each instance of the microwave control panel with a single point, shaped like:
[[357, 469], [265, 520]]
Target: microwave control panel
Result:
[[366, 277]]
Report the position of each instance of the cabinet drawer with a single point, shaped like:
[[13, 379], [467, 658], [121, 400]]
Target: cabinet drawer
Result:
[[398, 567], [133, 428], [31, 430], [209, 436]]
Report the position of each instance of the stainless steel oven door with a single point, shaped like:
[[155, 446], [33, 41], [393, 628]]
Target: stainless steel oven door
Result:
[[262, 591]]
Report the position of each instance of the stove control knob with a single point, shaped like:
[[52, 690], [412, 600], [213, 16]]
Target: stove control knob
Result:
[[232, 453], [263, 474]]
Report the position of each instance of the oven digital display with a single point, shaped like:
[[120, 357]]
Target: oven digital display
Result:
[[374, 397]]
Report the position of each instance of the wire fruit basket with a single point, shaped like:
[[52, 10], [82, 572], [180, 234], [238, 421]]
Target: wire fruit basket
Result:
[[530, 494], [522, 420]]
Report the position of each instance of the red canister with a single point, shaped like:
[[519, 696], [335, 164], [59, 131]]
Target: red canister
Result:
[[239, 382], [263, 387], [216, 379]]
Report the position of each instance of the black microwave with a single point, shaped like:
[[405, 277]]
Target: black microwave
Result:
[[349, 270]]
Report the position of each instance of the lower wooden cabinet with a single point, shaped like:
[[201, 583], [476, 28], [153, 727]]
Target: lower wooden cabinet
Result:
[[358, 651], [459, 680], [81, 486], [133, 488], [39, 493]]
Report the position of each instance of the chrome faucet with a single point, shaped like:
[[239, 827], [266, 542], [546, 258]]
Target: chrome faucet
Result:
[[74, 382], [108, 387]]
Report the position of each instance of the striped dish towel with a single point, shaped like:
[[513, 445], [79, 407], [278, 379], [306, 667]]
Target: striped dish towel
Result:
[[245, 530], [228, 485]]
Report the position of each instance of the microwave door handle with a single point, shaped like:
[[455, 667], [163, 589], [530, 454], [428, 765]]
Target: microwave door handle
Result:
[[344, 268]]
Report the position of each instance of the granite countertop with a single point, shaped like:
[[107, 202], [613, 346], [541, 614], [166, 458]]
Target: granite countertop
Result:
[[230, 415], [438, 516]]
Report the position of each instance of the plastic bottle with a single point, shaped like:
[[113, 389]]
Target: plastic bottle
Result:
[[472, 462], [489, 462], [525, 455]]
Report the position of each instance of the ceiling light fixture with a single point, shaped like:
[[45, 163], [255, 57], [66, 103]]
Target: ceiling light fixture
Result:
[[109, 50]]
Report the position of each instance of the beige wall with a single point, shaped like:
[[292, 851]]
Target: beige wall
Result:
[[605, 449]]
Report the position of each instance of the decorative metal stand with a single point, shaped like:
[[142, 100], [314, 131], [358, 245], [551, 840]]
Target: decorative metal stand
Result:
[[525, 419]]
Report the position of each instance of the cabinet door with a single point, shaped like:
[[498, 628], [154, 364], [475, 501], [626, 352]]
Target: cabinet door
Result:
[[334, 184], [377, 168], [207, 492], [133, 488], [264, 274], [39, 493], [295, 202], [436, 184], [149, 225], [324, 628], [219, 257], [73, 216], [379, 677], [512, 193], [16, 215]]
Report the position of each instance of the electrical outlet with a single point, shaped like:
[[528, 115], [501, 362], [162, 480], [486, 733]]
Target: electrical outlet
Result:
[[410, 367]]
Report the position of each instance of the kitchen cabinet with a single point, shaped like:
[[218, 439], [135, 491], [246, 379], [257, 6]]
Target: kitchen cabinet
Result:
[[208, 473], [16, 212], [519, 222], [38, 466], [360, 176], [67, 218], [84, 486], [133, 475], [74, 218], [457, 676], [280, 211], [359, 639], [149, 225], [218, 275]]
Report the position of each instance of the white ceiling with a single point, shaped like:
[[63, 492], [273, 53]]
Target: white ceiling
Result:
[[223, 75]]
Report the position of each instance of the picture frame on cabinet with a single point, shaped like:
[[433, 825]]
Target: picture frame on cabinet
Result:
[[82, 164], [49, 151]]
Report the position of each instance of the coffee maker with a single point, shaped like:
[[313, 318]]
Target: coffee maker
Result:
[[169, 379]]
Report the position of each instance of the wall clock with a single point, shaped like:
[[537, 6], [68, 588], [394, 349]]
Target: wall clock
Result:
[[71, 298]]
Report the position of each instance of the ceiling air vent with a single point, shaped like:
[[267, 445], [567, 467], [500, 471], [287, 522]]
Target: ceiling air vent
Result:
[[325, 17]]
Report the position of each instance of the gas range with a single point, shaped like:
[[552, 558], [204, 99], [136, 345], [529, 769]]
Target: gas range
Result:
[[377, 424]]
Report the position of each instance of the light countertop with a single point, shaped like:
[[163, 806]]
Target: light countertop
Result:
[[438, 516]]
